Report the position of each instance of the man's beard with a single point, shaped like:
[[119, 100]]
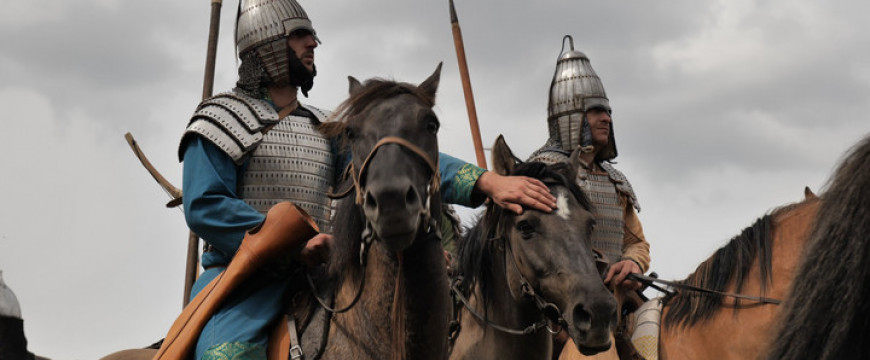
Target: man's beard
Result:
[[299, 75]]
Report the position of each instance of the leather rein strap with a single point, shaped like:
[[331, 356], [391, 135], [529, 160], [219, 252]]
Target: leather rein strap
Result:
[[651, 281], [549, 311]]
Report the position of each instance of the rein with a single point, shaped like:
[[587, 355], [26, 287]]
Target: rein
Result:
[[549, 311], [651, 282]]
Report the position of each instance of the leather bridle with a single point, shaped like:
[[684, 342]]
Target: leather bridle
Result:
[[367, 234], [549, 311]]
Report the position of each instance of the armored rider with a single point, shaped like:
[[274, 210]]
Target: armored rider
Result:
[[579, 115], [247, 149]]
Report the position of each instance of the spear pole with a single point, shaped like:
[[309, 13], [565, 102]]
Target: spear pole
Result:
[[466, 87], [207, 89]]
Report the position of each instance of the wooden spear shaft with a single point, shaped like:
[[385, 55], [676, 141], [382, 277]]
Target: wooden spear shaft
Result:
[[466, 87], [192, 265]]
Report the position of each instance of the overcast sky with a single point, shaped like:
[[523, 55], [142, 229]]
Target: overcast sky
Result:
[[723, 110]]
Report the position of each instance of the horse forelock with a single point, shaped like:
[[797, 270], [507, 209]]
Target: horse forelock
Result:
[[373, 91]]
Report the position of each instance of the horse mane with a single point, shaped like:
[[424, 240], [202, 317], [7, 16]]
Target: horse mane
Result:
[[826, 317], [373, 90], [475, 251], [346, 238], [731, 262]]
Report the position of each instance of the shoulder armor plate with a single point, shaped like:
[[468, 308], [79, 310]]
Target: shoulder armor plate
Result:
[[232, 121], [321, 115], [622, 183]]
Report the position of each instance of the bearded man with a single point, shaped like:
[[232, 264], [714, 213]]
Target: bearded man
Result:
[[255, 146]]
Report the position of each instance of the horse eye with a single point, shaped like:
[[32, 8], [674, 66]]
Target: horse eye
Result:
[[349, 133], [590, 225], [526, 229], [432, 125]]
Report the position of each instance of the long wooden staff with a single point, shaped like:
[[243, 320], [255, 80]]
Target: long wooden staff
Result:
[[466, 87], [207, 89]]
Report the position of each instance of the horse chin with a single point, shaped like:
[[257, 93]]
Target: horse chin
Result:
[[588, 346], [394, 238], [592, 350], [398, 243]]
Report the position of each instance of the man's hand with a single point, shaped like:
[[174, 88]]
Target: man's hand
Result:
[[316, 250], [619, 271], [514, 192]]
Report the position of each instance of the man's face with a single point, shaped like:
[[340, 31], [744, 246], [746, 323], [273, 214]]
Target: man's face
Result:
[[599, 125], [303, 43]]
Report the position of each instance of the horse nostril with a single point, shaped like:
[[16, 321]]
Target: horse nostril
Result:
[[582, 318], [411, 197], [370, 202]]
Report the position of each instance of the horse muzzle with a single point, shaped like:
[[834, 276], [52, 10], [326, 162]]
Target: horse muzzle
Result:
[[395, 212], [591, 324]]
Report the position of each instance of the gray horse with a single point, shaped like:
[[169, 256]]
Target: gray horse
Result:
[[522, 275]]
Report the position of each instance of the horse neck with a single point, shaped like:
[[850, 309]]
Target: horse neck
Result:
[[424, 303], [750, 327], [790, 234]]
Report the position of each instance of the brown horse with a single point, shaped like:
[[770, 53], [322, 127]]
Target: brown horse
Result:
[[386, 258], [520, 273], [828, 314], [760, 261], [401, 313]]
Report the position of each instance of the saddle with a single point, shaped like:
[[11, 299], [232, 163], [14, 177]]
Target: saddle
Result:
[[302, 332]]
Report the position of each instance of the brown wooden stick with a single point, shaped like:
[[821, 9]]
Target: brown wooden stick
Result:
[[192, 265], [466, 87]]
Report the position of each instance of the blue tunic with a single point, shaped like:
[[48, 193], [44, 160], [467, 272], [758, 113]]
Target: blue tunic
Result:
[[214, 211]]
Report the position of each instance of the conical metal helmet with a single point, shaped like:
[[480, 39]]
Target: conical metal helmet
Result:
[[8, 302], [264, 26], [575, 89]]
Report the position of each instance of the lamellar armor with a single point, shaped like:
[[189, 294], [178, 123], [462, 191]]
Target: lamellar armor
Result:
[[604, 187], [576, 89], [292, 161]]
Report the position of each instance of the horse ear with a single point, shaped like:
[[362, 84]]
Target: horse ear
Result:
[[430, 85], [809, 194], [503, 159], [355, 85]]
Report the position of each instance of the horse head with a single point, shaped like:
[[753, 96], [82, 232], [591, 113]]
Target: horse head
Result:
[[391, 131], [553, 256]]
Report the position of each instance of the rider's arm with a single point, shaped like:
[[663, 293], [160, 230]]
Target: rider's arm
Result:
[[212, 207], [634, 245], [458, 180], [468, 185]]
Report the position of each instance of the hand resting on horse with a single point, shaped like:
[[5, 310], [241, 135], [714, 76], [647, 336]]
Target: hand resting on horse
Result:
[[316, 250], [619, 271], [515, 192]]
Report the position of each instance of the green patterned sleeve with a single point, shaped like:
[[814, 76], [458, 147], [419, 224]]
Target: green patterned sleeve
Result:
[[457, 181]]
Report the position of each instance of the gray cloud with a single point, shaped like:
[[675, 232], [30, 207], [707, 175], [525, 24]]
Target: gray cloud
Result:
[[723, 110]]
